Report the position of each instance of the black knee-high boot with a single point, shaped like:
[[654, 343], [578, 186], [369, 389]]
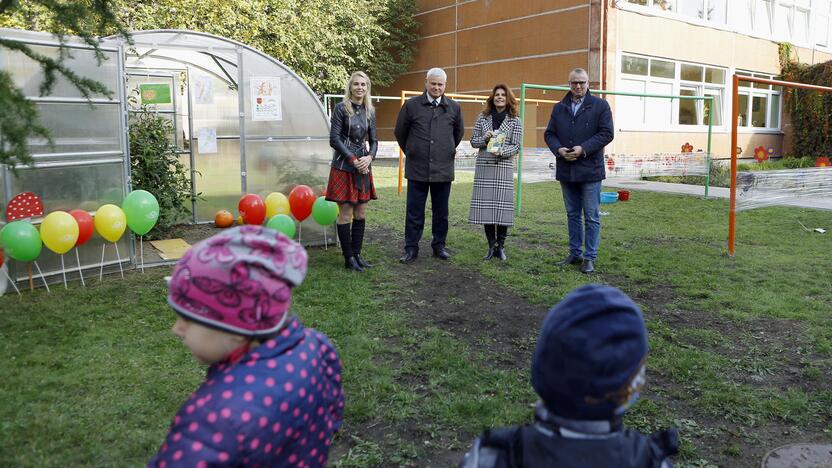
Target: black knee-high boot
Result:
[[358, 242], [500, 248], [344, 235], [491, 236]]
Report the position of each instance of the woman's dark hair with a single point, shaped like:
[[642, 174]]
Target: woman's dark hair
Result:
[[511, 101]]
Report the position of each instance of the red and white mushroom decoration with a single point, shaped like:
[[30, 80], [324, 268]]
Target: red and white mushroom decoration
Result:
[[24, 205]]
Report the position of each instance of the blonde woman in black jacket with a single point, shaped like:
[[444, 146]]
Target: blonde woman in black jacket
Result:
[[353, 139]]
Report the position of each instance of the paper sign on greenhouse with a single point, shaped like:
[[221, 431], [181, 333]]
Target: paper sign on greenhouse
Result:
[[265, 98]]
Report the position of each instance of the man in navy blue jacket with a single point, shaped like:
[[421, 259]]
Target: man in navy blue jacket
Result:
[[579, 129]]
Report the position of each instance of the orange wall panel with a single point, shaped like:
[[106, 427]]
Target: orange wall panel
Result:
[[437, 22], [427, 5], [547, 70], [532, 36], [434, 52], [489, 11]]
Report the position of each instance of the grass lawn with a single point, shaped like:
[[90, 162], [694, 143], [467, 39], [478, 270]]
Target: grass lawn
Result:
[[740, 361]]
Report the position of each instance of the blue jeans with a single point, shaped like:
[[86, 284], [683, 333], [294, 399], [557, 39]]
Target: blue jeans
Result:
[[578, 198]]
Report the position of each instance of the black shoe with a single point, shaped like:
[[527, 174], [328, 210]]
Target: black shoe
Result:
[[352, 264], [570, 260], [409, 257], [587, 266], [490, 252], [500, 253], [441, 253], [361, 262]]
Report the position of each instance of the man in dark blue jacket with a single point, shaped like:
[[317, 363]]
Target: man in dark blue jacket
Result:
[[579, 129], [428, 130]]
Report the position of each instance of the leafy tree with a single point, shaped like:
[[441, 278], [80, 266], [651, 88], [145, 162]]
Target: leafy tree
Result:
[[323, 41], [18, 121], [394, 50]]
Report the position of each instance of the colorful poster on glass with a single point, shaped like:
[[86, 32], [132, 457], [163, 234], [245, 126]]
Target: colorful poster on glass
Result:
[[155, 93], [265, 99]]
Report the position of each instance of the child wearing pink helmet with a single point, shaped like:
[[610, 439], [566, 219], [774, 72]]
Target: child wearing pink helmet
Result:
[[272, 395]]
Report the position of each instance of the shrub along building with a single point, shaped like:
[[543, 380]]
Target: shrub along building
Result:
[[668, 47]]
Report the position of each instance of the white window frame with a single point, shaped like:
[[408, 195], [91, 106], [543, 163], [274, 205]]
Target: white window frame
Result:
[[701, 89], [761, 24], [768, 93]]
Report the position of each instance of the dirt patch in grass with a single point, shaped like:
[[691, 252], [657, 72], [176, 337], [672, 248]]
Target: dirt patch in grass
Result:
[[768, 352], [491, 320]]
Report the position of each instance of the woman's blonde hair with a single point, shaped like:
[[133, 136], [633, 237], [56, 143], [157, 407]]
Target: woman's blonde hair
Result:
[[368, 102]]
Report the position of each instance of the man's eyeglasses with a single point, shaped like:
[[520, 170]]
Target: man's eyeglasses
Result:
[[577, 83]]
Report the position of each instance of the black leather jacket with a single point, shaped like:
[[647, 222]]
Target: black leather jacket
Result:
[[347, 136]]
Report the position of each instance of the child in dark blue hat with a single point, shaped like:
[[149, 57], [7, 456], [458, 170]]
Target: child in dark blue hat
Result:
[[587, 368]]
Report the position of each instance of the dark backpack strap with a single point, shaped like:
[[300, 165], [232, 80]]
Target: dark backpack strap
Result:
[[665, 443], [507, 441]]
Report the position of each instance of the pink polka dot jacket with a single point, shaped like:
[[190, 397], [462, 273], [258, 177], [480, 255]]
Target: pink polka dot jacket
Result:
[[277, 405]]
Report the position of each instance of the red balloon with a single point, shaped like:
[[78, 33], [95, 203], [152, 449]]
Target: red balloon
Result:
[[252, 209], [1, 257], [301, 199], [86, 226]]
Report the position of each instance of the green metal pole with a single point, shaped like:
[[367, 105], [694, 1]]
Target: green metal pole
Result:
[[710, 133], [520, 154]]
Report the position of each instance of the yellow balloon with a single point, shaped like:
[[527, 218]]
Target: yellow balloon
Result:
[[59, 232], [276, 203], [110, 222]]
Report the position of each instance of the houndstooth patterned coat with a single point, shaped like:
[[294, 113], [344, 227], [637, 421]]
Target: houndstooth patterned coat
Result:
[[493, 199]]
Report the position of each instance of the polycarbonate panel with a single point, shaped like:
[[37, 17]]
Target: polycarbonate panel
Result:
[[68, 188], [28, 74], [302, 113], [218, 179], [279, 166], [217, 109], [78, 128]]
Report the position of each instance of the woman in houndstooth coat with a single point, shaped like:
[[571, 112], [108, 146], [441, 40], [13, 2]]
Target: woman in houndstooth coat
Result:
[[492, 203]]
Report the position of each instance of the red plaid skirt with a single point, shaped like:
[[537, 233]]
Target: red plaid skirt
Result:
[[350, 187]]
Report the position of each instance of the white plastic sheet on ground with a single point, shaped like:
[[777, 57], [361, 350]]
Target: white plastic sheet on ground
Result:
[[657, 164], [757, 189]]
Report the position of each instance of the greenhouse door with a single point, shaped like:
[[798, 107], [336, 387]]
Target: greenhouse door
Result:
[[166, 94]]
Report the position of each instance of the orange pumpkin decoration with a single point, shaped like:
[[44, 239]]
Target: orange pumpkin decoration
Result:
[[223, 219]]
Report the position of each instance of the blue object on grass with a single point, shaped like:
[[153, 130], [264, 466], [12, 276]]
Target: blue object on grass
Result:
[[609, 197]]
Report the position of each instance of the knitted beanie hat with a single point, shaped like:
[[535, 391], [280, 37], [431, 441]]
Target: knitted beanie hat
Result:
[[589, 359], [239, 281]]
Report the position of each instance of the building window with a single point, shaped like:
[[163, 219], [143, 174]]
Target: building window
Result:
[[820, 15], [802, 22], [650, 75], [662, 5], [759, 104]]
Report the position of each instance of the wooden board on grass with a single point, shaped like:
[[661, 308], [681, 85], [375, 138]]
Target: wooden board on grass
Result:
[[171, 249]]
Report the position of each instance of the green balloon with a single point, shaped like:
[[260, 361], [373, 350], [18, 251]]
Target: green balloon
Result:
[[21, 240], [324, 212], [142, 211], [282, 223]]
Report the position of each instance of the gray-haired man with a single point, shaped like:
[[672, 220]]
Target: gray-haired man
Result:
[[428, 129]]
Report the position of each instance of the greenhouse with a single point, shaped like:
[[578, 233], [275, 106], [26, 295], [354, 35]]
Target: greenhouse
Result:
[[242, 122]]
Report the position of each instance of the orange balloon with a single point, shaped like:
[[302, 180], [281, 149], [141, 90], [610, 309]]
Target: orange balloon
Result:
[[223, 219]]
